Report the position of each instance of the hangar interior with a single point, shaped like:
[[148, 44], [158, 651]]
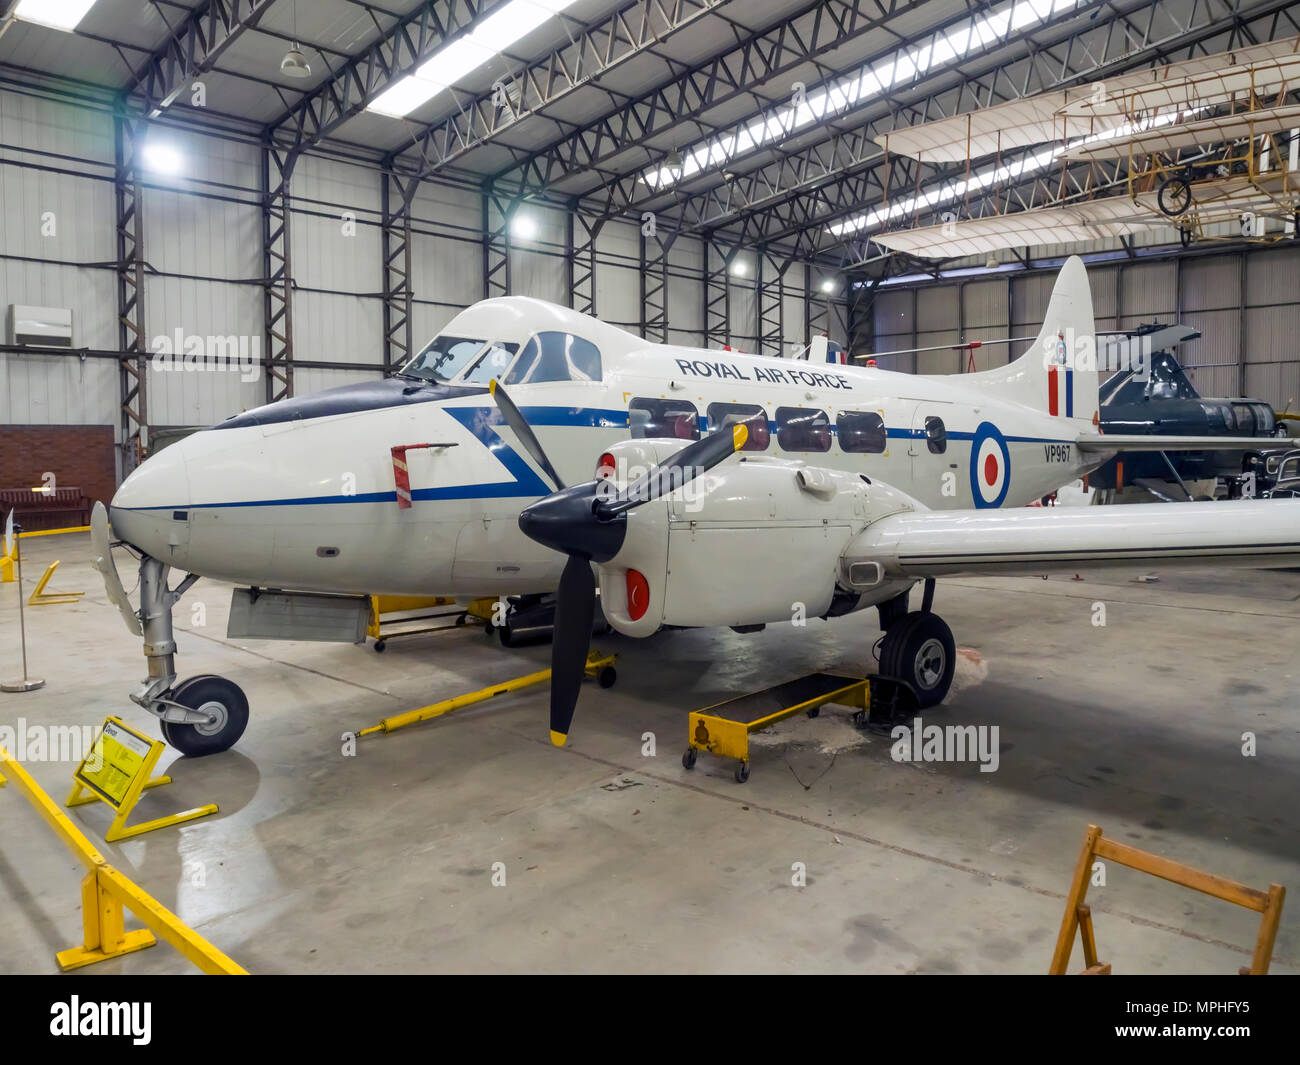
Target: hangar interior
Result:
[[305, 192]]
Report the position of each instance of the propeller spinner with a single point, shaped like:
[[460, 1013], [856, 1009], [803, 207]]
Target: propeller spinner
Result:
[[584, 523]]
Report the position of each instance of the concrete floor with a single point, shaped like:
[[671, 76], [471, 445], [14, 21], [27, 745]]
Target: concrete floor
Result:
[[615, 861]]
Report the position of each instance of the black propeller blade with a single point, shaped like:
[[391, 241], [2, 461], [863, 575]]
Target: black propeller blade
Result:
[[515, 419], [579, 523], [575, 610]]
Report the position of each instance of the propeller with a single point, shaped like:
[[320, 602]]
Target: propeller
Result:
[[585, 523], [515, 419]]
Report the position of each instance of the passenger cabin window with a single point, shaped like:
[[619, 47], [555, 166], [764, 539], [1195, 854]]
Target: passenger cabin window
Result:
[[936, 435], [675, 419], [492, 363], [442, 358], [550, 357], [803, 430], [861, 432], [725, 415]]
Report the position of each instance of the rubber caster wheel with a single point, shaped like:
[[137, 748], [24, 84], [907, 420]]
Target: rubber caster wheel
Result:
[[742, 773], [488, 629], [381, 646], [920, 650], [223, 700], [461, 621], [859, 719], [690, 758], [607, 677], [814, 711]]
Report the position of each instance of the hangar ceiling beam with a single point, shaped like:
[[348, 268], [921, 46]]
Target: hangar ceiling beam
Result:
[[191, 48], [406, 44], [800, 195], [631, 31], [814, 30]]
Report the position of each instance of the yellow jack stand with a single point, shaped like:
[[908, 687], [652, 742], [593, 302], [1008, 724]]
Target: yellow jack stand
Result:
[[599, 666], [723, 729], [40, 597], [126, 761]]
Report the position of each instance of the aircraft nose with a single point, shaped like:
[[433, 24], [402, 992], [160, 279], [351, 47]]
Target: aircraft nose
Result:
[[143, 509]]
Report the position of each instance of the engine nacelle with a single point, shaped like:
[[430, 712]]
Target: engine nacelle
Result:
[[757, 539]]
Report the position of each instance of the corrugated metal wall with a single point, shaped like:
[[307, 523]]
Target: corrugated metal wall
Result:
[[1245, 304]]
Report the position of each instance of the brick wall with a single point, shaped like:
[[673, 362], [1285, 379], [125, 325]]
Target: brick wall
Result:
[[79, 456]]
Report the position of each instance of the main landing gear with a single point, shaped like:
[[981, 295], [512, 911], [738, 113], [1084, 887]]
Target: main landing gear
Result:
[[203, 715], [917, 659]]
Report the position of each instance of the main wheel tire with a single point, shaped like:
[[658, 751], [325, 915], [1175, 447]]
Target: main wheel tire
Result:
[[920, 650], [221, 698]]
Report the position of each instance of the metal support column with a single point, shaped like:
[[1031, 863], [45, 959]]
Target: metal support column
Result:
[[717, 293], [277, 271], [816, 309], [654, 285], [498, 212], [771, 303], [397, 194], [131, 325], [583, 232]]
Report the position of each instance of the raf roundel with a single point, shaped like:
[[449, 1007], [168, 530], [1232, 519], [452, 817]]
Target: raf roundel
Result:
[[990, 466]]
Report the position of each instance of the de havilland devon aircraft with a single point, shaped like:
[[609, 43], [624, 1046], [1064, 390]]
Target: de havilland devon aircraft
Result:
[[705, 488]]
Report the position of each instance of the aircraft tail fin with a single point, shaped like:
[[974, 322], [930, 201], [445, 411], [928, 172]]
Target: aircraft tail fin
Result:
[[1058, 374]]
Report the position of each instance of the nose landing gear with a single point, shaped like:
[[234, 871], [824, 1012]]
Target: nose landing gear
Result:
[[202, 715]]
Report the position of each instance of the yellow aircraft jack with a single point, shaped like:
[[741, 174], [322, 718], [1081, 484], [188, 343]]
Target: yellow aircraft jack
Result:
[[40, 597], [117, 770], [600, 667], [724, 728]]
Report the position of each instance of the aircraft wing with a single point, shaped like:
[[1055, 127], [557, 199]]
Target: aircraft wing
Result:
[[1252, 533], [1091, 442]]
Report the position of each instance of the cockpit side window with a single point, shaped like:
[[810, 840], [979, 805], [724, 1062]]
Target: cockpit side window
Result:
[[553, 356], [492, 363], [442, 358]]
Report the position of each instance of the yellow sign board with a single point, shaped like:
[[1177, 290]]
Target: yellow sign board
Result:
[[115, 759], [117, 769]]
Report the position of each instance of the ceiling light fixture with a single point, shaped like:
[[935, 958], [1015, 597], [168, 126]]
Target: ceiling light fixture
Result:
[[453, 62], [294, 64]]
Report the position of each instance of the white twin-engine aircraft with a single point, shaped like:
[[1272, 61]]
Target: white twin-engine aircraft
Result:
[[770, 484]]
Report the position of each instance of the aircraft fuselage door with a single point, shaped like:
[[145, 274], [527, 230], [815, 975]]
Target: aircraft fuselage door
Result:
[[932, 453]]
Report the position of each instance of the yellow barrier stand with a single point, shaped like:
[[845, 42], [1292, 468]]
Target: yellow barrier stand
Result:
[[104, 893], [599, 666], [53, 532], [125, 760], [40, 597], [7, 566]]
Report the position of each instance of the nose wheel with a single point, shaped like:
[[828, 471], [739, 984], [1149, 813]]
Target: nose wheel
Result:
[[225, 707]]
